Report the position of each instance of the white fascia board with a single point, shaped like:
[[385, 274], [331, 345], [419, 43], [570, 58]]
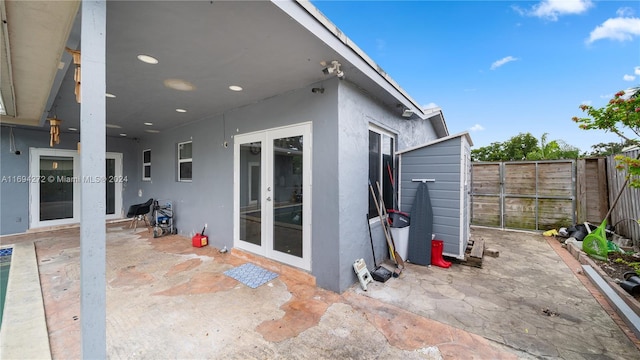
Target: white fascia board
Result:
[[464, 133]]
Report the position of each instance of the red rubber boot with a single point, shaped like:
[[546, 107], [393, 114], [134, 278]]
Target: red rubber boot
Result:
[[436, 254]]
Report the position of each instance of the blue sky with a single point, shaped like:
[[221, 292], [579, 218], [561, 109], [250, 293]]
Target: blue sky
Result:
[[500, 68]]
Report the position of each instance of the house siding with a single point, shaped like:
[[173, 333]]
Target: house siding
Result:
[[444, 162], [340, 119], [356, 112], [208, 198], [14, 197]]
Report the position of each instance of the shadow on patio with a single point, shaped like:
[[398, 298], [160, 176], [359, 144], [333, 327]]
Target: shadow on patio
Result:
[[167, 299]]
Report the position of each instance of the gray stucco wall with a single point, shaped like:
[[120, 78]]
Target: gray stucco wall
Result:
[[356, 112], [209, 197], [339, 171], [14, 197]]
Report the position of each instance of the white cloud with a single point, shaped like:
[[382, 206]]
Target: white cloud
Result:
[[552, 9], [504, 60], [621, 29], [430, 106], [636, 70], [625, 12], [628, 77], [476, 127]]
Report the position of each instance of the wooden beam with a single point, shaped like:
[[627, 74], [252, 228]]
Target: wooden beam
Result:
[[603, 195], [581, 190]]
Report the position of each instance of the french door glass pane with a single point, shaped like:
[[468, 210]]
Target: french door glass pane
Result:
[[111, 186], [56, 188], [287, 195], [250, 214], [374, 170], [387, 172]]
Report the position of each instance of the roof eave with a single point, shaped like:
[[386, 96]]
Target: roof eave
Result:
[[299, 9]]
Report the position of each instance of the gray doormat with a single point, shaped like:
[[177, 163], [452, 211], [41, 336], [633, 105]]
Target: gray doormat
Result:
[[251, 275]]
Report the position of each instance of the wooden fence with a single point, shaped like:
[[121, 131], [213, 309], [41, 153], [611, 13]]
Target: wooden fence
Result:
[[592, 195], [526, 195], [543, 195]]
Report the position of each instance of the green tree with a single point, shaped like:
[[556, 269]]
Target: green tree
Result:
[[553, 150], [493, 152], [610, 148], [620, 114], [517, 147], [525, 146]]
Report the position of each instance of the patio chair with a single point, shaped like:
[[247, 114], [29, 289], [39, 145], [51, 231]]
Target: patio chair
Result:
[[139, 212]]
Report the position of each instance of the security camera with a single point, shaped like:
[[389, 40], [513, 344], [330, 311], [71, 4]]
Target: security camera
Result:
[[317, 90], [17, 152], [334, 68]]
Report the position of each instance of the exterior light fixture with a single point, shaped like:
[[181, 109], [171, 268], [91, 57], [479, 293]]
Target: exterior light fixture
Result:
[[179, 84], [147, 59], [407, 113]]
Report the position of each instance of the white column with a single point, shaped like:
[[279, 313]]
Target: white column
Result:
[[92, 165]]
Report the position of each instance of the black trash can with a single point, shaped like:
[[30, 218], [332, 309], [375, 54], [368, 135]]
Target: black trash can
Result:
[[398, 219]]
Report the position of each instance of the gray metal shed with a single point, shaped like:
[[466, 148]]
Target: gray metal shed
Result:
[[445, 164]]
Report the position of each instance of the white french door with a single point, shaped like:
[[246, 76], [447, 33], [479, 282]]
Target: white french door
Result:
[[54, 187], [272, 203]]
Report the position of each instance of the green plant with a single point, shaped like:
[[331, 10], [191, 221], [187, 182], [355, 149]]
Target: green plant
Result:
[[620, 114]]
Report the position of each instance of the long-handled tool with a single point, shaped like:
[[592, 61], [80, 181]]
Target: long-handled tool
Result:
[[595, 243], [379, 273], [393, 186], [399, 260], [392, 251]]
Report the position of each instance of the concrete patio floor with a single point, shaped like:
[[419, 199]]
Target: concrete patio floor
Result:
[[167, 299]]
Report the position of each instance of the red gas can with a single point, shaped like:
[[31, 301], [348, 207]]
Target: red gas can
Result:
[[200, 240]]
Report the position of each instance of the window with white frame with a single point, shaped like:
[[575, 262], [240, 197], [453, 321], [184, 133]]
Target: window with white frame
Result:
[[146, 165], [185, 161], [381, 169]]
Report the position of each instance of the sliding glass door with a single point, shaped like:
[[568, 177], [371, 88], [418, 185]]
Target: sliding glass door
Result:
[[54, 186]]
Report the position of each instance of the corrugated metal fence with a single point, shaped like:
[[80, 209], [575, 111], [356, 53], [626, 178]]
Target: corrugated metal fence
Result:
[[627, 211]]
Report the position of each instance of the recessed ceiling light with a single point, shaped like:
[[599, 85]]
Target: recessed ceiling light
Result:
[[179, 84], [148, 123], [73, 129], [152, 131], [147, 59], [123, 134], [235, 88], [113, 126], [181, 110], [109, 95]]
